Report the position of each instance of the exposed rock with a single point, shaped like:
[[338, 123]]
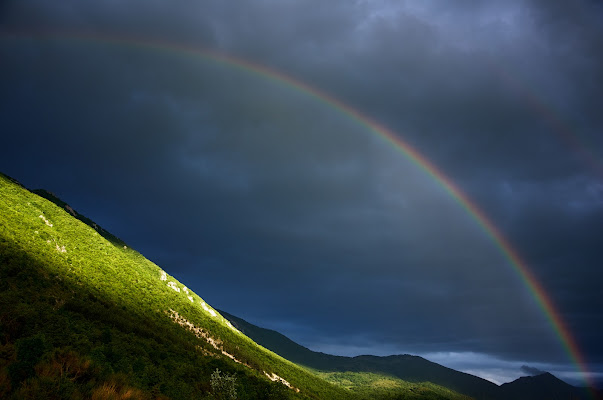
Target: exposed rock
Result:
[[209, 310], [173, 286], [47, 222]]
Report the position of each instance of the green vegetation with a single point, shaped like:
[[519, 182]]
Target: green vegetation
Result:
[[82, 317], [223, 386], [373, 385], [107, 235], [85, 317]]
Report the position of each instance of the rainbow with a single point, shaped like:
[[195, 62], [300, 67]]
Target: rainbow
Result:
[[536, 290]]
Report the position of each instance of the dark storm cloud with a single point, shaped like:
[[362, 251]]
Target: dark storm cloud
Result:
[[531, 371], [281, 210]]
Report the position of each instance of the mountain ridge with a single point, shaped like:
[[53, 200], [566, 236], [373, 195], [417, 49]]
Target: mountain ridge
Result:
[[545, 385], [540, 387]]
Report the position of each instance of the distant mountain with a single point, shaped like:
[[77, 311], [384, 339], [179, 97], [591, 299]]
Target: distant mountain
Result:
[[284, 346], [413, 369], [543, 386], [406, 367]]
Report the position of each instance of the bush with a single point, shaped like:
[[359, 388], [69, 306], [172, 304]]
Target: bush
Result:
[[223, 386], [29, 351]]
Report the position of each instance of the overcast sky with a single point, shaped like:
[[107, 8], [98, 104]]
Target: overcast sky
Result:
[[279, 208]]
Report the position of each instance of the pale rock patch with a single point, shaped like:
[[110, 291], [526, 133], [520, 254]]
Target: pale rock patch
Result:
[[60, 249], [47, 222], [163, 276], [188, 294], [217, 344], [209, 310], [202, 334], [174, 286], [275, 378], [206, 352]]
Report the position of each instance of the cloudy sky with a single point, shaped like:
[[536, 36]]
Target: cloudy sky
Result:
[[165, 122]]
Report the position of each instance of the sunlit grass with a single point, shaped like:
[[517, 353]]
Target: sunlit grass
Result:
[[386, 387]]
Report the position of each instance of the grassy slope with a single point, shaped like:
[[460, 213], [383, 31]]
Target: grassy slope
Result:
[[81, 317], [383, 386], [107, 235]]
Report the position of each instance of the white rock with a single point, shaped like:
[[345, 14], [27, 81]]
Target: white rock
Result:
[[47, 222], [209, 310]]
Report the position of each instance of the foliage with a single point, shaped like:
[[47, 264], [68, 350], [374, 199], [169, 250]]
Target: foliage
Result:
[[372, 385], [28, 351], [223, 386]]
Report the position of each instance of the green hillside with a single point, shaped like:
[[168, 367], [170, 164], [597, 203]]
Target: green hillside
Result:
[[84, 316], [107, 235], [81, 317]]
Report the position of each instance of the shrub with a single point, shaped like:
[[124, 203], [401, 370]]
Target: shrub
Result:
[[223, 386], [29, 351]]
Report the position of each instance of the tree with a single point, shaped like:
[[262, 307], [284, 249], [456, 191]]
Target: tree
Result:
[[223, 386]]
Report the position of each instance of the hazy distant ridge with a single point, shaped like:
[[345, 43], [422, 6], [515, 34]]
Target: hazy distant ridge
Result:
[[413, 368]]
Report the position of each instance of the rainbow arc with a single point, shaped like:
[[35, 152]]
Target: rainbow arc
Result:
[[531, 283]]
